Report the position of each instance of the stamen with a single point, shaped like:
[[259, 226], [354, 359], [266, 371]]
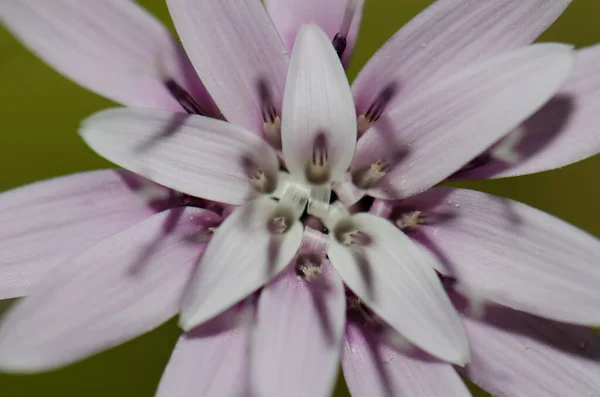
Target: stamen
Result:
[[317, 169], [347, 234], [308, 267], [184, 98], [339, 40], [280, 221], [376, 109], [410, 220], [271, 120], [260, 181], [370, 176]]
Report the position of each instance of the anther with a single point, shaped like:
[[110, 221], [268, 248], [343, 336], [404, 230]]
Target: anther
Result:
[[308, 267], [317, 169], [271, 120], [374, 112], [346, 233], [184, 98], [258, 178], [277, 225], [340, 38], [368, 177], [410, 220]]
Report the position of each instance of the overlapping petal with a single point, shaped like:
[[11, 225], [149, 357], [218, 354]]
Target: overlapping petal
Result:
[[113, 47], [122, 287], [563, 132], [436, 132], [445, 38], [318, 110], [243, 255], [513, 254], [514, 354], [45, 223], [398, 282], [237, 53], [373, 369], [211, 360], [196, 155], [298, 334], [289, 16]]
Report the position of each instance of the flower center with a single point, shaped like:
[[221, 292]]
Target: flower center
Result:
[[368, 177]]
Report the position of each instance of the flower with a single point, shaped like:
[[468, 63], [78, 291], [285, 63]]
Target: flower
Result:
[[256, 107]]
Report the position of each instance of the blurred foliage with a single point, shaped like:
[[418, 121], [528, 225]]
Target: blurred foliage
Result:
[[42, 111]]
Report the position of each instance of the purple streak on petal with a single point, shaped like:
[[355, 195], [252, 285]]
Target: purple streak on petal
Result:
[[299, 330], [95, 301], [513, 254], [234, 47], [373, 369], [514, 354], [563, 132], [448, 36], [112, 47], [211, 360], [442, 128], [289, 16], [45, 223]]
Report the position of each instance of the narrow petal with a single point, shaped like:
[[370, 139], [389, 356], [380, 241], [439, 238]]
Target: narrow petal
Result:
[[331, 16], [122, 287], [237, 53], [298, 335], [563, 132], [398, 282], [45, 223], [318, 111], [196, 155], [373, 369], [435, 133], [112, 47], [209, 361], [447, 37], [513, 254], [242, 256], [514, 354]]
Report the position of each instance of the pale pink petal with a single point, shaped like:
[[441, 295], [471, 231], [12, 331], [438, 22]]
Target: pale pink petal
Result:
[[237, 53], [122, 287], [318, 111], [298, 334], [112, 47], [45, 223], [435, 133], [192, 154], [397, 280], [447, 37], [563, 132], [209, 361], [514, 354], [513, 254], [373, 369], [243, 255], [331, 15]]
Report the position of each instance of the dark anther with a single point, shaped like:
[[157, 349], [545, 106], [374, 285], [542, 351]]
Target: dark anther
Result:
[[378, 106], [269, 113], [185, 100], [339, 44]]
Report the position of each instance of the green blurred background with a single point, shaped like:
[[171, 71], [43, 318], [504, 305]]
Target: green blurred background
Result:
[[40, 114]]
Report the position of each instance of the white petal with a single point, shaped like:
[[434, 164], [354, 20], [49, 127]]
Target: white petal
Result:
[[241, 257], [317, 103], [398, 282], [298, 334], [196, 155], [373, 369]]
